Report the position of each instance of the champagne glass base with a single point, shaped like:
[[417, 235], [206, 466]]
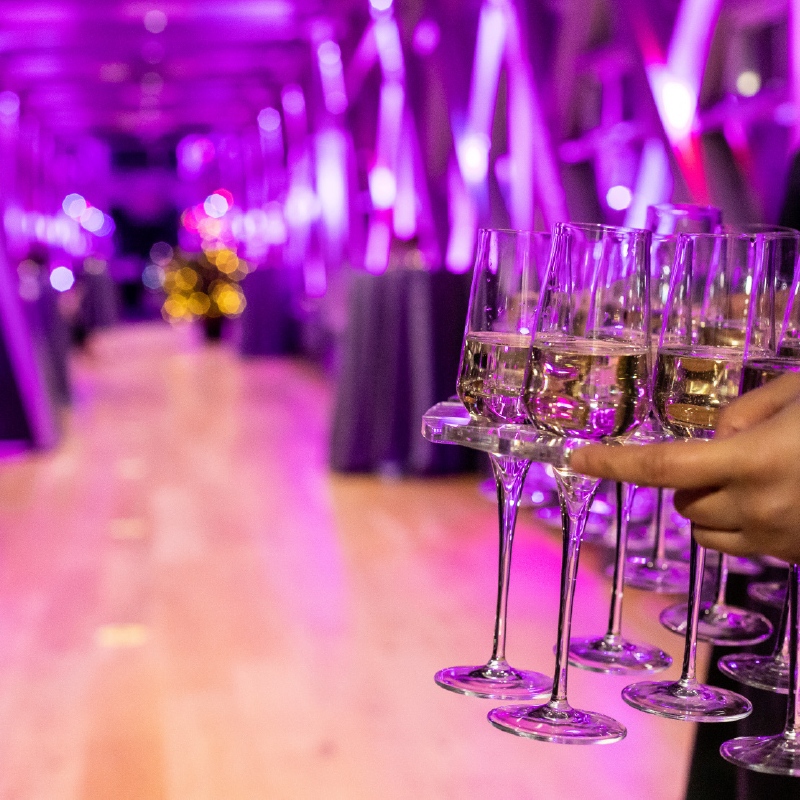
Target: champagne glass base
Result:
[[567, 726], [720, 624], [771, 593], [494, 682], [696, 702], [616, 656], [777, 755], [763, 672], [664, 576]]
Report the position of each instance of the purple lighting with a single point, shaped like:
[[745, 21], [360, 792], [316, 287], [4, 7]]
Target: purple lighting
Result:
[[426, 37], [382, 187], [381, 5], [473, 157]]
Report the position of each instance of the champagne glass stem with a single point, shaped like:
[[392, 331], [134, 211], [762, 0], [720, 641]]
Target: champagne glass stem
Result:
[[624, 504], [660, 540], [722, 580], [792, 730], [575, 493], [697, 559], [783, 639], [509, 474]]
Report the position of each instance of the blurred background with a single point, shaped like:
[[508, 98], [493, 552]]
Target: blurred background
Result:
[[234, 270]]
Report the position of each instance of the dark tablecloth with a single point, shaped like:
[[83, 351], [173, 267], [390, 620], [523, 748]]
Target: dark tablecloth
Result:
[[400, 355]]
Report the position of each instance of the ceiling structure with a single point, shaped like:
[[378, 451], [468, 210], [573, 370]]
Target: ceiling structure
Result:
[[153, 69]]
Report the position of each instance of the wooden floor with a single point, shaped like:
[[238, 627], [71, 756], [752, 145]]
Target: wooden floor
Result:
[[193, 607]]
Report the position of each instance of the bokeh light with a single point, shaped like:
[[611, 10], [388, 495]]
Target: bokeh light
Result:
[[155, 21], [748, 83], [62, 279], [619, 197]]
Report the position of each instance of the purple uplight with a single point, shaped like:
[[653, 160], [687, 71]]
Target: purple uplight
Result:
[[382, 187], [473, 157], [332, 76], [269, 120], [332, 183], [376, 257]]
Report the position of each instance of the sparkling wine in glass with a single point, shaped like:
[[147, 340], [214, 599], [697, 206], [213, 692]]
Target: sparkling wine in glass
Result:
[[588, 381], [491, 380]]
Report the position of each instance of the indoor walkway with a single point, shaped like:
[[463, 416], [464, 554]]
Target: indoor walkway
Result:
[[192, 607]]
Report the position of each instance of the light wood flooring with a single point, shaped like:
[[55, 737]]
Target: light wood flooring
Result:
[[192, 607]]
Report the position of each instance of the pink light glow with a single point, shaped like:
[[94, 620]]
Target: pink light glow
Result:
[[676, 101], [426, 37]]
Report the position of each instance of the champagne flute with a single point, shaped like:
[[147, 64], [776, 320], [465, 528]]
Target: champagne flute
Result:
[[720, 623], [697, 373], [659, 573], [770, 353], [589, 381], [778, 754], [490, 384], [769, 672], [775, 315], [751, 326]]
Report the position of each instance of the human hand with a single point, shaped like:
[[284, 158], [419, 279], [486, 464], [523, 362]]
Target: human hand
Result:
[[742, 489]]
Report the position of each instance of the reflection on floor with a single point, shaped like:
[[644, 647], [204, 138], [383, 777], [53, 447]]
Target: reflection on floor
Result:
[[193, 607]]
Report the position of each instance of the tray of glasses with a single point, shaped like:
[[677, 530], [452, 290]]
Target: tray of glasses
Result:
[[449, 422]]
